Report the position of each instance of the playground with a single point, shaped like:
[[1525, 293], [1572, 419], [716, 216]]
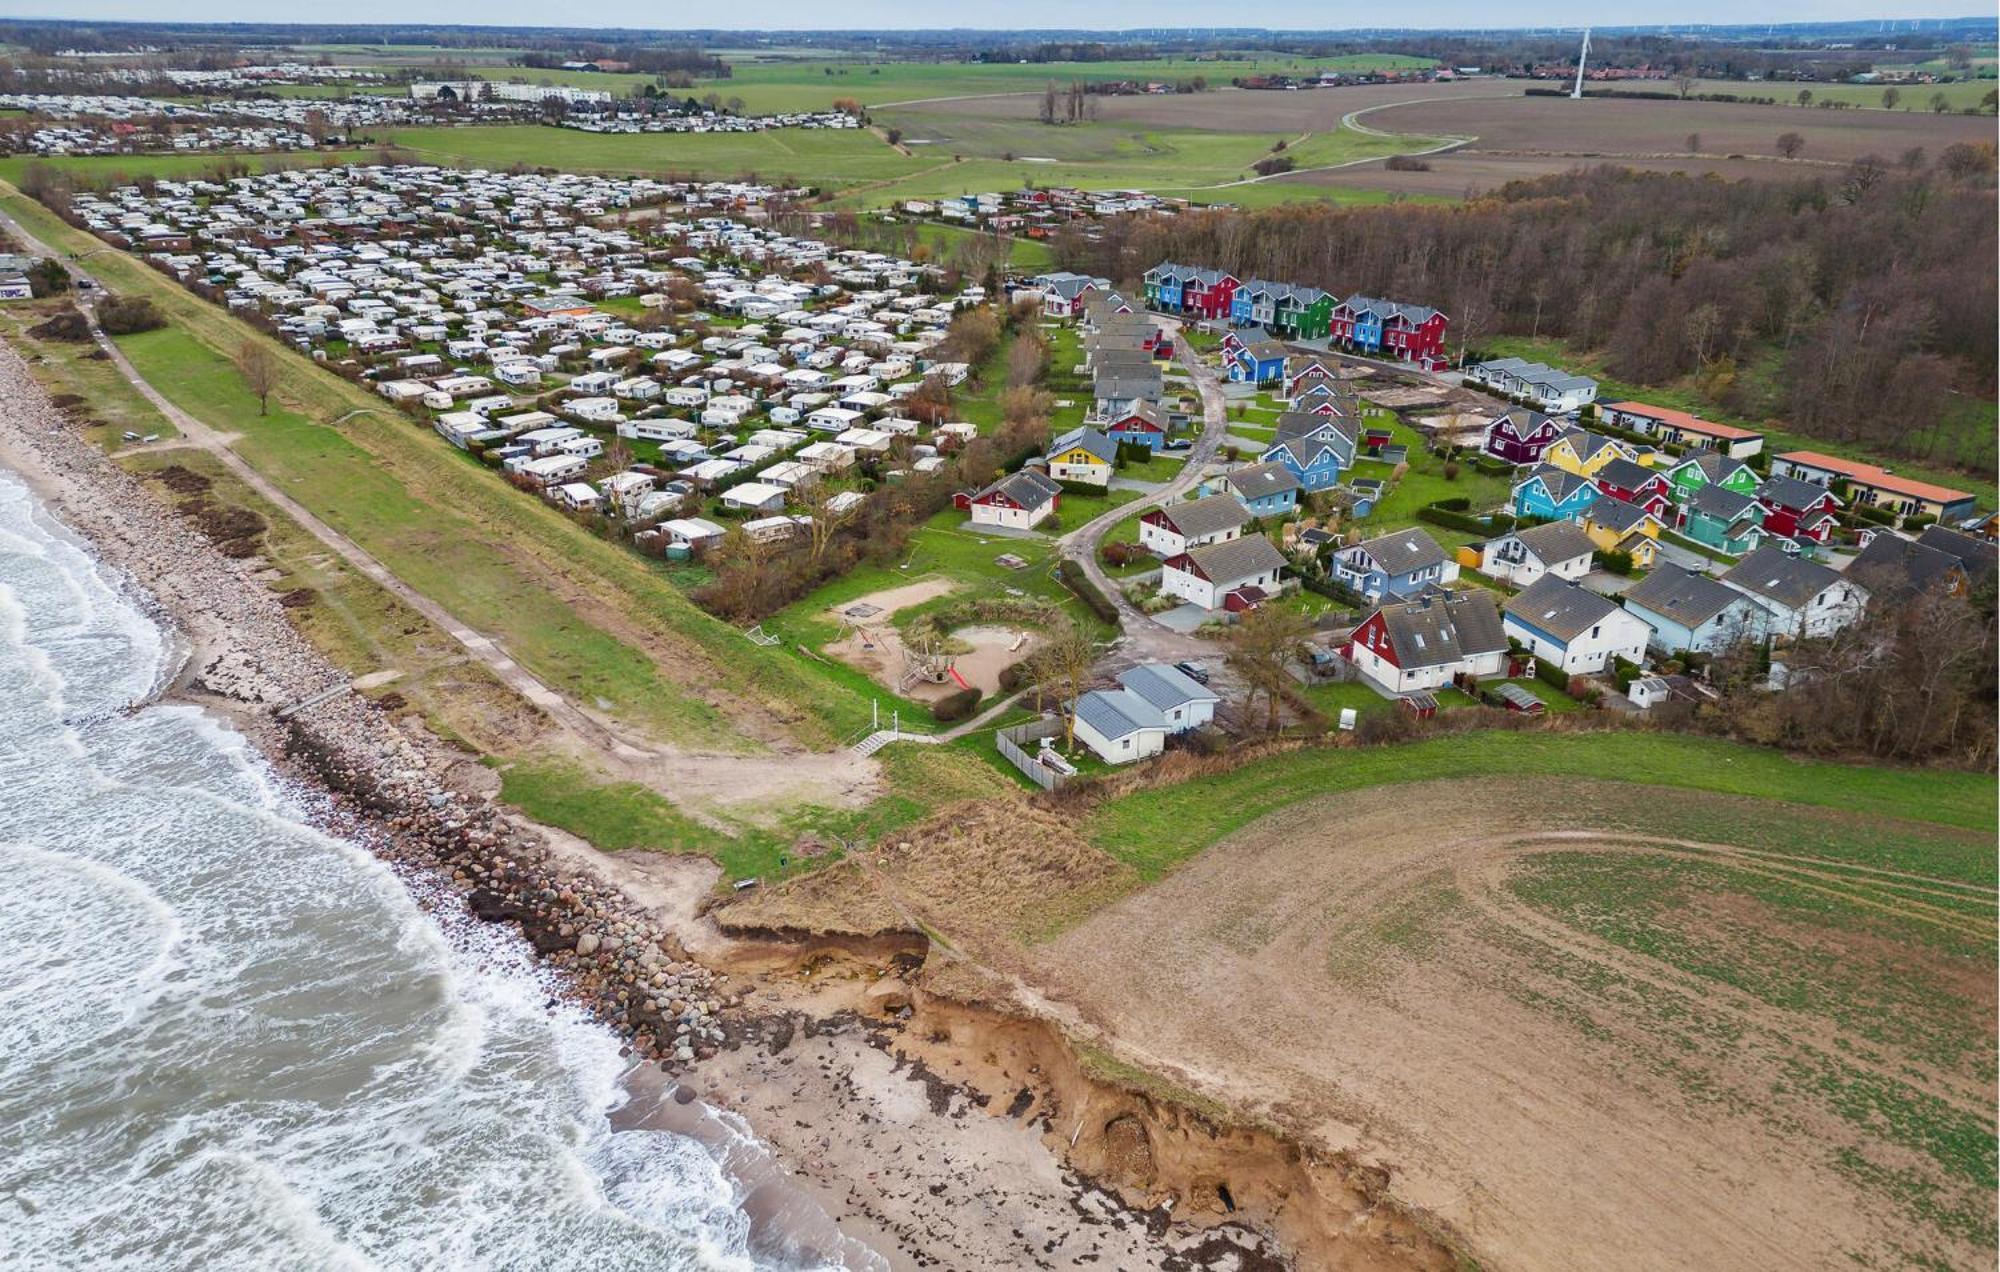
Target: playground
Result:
[[970, 657]]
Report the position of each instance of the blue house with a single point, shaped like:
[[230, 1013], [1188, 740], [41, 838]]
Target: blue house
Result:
[[1258, 362], [1243, 305], [1399, 564], [1553, 494], [1163, 286], [1316, 449], [1265, 490]]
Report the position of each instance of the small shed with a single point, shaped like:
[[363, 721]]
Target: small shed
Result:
[[1515, 698], [1421, 705]]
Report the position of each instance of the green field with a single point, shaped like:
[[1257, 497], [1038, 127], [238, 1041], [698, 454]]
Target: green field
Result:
[[1960, 95], [1157, 829]]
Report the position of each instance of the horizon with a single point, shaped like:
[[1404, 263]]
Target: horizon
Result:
[[900, 15]]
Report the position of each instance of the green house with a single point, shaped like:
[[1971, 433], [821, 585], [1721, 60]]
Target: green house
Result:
[[1303, 313], [1710, 468], [1720, 518]]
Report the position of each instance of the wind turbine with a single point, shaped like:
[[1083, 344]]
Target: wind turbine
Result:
[[1582, 55]]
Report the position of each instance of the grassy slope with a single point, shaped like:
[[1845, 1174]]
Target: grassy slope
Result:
[[1157, 829]]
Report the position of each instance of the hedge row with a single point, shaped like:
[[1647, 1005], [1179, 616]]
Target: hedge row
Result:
[[1492, 523], [954, 706], [1084, 590]]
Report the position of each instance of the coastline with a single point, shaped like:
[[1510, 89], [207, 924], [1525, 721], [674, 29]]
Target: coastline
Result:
[[843, 1147]]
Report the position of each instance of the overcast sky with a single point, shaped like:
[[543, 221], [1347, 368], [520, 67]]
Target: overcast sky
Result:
[[1014, 15]]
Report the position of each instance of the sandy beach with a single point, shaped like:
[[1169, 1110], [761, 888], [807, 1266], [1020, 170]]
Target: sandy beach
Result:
[[844, 1146]]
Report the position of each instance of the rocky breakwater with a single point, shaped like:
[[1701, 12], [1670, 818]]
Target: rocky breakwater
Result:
[[363, 774]]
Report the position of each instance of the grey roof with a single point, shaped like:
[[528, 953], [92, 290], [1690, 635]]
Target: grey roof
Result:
[[1559, 608], [1029, 488], [1686, 598], [1587, 443], [1225, 563], [1255, 481], [1132, 383], [1265, 350], [1556, 541], [1403, 551], [1616, 514], [1147, 411], [1790, 492], [1520, 421], [1894, 566], [1713, 464], [1165, 687], [1773, 574], [1441, 628], [1561, 483], [1293, 424], [1211, 514], [1623, 472], [1116, 713], [1976, 555], [1722, 503], [1089, 439]]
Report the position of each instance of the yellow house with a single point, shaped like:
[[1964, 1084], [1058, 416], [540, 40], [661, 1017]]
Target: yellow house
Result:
[[1582, 452], [1613, 523], [1084, 456], [1642, 547]]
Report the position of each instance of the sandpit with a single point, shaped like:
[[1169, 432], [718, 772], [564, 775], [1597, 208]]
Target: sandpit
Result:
[[873, 645]]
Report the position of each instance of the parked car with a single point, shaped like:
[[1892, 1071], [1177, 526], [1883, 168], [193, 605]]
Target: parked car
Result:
[[1193, 671]]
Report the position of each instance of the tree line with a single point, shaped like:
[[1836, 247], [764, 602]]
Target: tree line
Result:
[[1852, 304]]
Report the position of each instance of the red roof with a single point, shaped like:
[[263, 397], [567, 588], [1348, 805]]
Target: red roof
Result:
[[1683, 420], [1871, 475]]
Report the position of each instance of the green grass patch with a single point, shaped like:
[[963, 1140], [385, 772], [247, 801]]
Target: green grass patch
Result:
[[1156, 829]]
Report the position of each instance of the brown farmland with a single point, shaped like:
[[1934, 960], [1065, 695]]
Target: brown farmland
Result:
[[1529, 136], [1577, 1038]]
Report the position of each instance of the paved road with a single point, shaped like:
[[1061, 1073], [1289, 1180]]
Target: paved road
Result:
[[1145, 639]]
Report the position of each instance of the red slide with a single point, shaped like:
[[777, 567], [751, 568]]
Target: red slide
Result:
[[960, 679]]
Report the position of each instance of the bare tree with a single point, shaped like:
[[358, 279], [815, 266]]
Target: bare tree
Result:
[[1790, 143], [1684, 81], [1890, 96], [259, 368], [1262, 648], [828, 520], [1065, 663]]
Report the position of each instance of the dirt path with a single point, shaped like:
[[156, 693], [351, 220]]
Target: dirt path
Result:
[[1357, 968], [697, 780]]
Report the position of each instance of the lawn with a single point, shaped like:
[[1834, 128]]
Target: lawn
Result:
[[1155, 830], [818, 157], [1424, 484]]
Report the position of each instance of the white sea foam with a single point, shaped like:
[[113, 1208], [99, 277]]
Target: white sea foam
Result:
[[230, 1041]]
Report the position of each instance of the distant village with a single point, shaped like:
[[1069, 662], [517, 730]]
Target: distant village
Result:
[[655, 359]]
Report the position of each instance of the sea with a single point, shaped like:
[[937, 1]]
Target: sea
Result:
[[228, 1040]]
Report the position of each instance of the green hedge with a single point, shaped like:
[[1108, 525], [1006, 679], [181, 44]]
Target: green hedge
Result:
[[1084, 590], [1619, 563], [1550, 674], [1625, 671], [1493, 523]]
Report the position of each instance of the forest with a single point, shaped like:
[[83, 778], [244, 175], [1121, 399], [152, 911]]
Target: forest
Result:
[[1852, 304]]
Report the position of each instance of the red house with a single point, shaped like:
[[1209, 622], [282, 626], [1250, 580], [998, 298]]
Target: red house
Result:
[[1142, 424], [1390, 329], [1208, 293], [1520, 436], [1795, 509], [1638, 485]]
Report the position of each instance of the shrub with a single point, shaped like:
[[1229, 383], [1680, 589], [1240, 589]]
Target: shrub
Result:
[[1625, 671], [1016, 676], [1451, 470], [954, 706], [1457, 503], [1919, 522], [66, 324], [1550, 674], [128, 315], [1270, 165], [1406, 163], [1619, 563], [1086, 591]]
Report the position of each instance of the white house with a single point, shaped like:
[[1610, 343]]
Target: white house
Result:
[[1018, 501], [1192, 523], [1803, 598], [1558, 548], [755, 496], [1578, 630], [1420, 644], [1119, 725], [1186, 703], [1245, 569]]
